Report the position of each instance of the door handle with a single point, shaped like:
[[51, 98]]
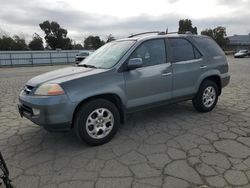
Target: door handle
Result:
[[166, 74], [203, 67]]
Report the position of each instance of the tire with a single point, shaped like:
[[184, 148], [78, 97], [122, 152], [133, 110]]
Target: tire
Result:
[[201, 100], [96, 122]]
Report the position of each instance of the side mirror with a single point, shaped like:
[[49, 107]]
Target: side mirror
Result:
[[134, 63]]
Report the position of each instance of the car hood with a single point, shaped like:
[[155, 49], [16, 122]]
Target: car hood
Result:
[[61, 75]]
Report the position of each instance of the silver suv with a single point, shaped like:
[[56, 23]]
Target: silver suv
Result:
[[124, 76]]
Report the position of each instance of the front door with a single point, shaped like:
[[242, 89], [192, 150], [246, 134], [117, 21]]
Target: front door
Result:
[[153, 82]]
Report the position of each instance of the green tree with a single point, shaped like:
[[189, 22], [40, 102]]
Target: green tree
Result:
[[55, 36], [77, 46], [6, 43], [185, 25], [36, 43], [20, 43], [15, 43], [218, 34], [93, 42], [110, 38], [208, 32]]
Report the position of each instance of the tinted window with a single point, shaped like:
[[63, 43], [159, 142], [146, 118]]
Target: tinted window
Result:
[[243, 51], [197, 54], [209, 45], [182, 50], [152, 52], [84, 53]]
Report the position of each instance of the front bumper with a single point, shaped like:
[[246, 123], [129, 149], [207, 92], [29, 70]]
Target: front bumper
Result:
[[79, 59], [225, 79], [55, 112]]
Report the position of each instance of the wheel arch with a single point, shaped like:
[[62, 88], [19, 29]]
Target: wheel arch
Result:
[[114, 98], [216, 79]]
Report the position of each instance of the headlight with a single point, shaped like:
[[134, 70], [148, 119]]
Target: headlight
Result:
[[49, 89]]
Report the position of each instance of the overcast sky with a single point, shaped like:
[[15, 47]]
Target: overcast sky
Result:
[[121, 18]]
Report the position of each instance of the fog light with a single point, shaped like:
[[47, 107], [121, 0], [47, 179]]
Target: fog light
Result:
[[36, 111]]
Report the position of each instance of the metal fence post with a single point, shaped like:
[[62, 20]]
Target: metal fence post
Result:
[[67, 57], [50, 58], [11, 63], [31, 55]]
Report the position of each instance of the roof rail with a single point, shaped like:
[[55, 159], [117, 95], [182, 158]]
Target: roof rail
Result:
[[176, 32], [144, 33], [157, 32], [188, 33]]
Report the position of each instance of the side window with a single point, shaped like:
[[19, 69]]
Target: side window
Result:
[[197, 54], [209, 45], [152, 52], [183, 50]]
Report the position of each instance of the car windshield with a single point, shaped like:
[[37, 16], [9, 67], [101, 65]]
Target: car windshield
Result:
[[84, 54], [108, 55], [243, 51]]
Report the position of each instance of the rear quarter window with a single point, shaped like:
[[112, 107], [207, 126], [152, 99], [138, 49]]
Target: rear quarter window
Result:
[[209, 45]]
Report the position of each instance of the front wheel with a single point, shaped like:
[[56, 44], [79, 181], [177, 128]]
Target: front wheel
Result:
[[96, 122], [207, 96]]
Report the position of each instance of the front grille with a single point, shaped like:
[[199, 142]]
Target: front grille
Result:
[[27, 109], [28, 89], [80, 58]]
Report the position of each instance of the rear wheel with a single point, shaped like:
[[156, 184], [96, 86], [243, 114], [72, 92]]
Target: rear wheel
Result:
[[96, 122], [207, 96]]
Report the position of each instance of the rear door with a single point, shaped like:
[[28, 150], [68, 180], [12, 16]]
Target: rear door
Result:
[[153, 82], [186, 64]]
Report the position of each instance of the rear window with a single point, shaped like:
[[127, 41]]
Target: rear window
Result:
[[209, 45], [243, 51]]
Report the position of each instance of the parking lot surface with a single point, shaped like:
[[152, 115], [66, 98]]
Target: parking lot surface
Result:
[[170, 146]]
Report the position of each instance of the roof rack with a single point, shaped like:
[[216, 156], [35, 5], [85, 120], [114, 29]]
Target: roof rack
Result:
[[144, 33], [172, 33], [157, 32]]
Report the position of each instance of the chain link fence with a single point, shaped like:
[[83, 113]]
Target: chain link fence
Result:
[[24, 58]]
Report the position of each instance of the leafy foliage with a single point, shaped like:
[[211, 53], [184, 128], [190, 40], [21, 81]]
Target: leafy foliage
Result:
[[55, 36], [93, 42], [110, 38], [185, 25], [6, 43], [15, 43], [218, 34], [36, 43], [208, 32], [19, 43], [77, 46]]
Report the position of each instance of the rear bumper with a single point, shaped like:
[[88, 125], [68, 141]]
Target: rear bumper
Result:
[[55, 112]]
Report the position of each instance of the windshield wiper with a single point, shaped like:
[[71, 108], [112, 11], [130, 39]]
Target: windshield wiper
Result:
[[87, 66]]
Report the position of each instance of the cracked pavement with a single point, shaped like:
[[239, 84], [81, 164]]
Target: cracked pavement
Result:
[[170, 146]]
